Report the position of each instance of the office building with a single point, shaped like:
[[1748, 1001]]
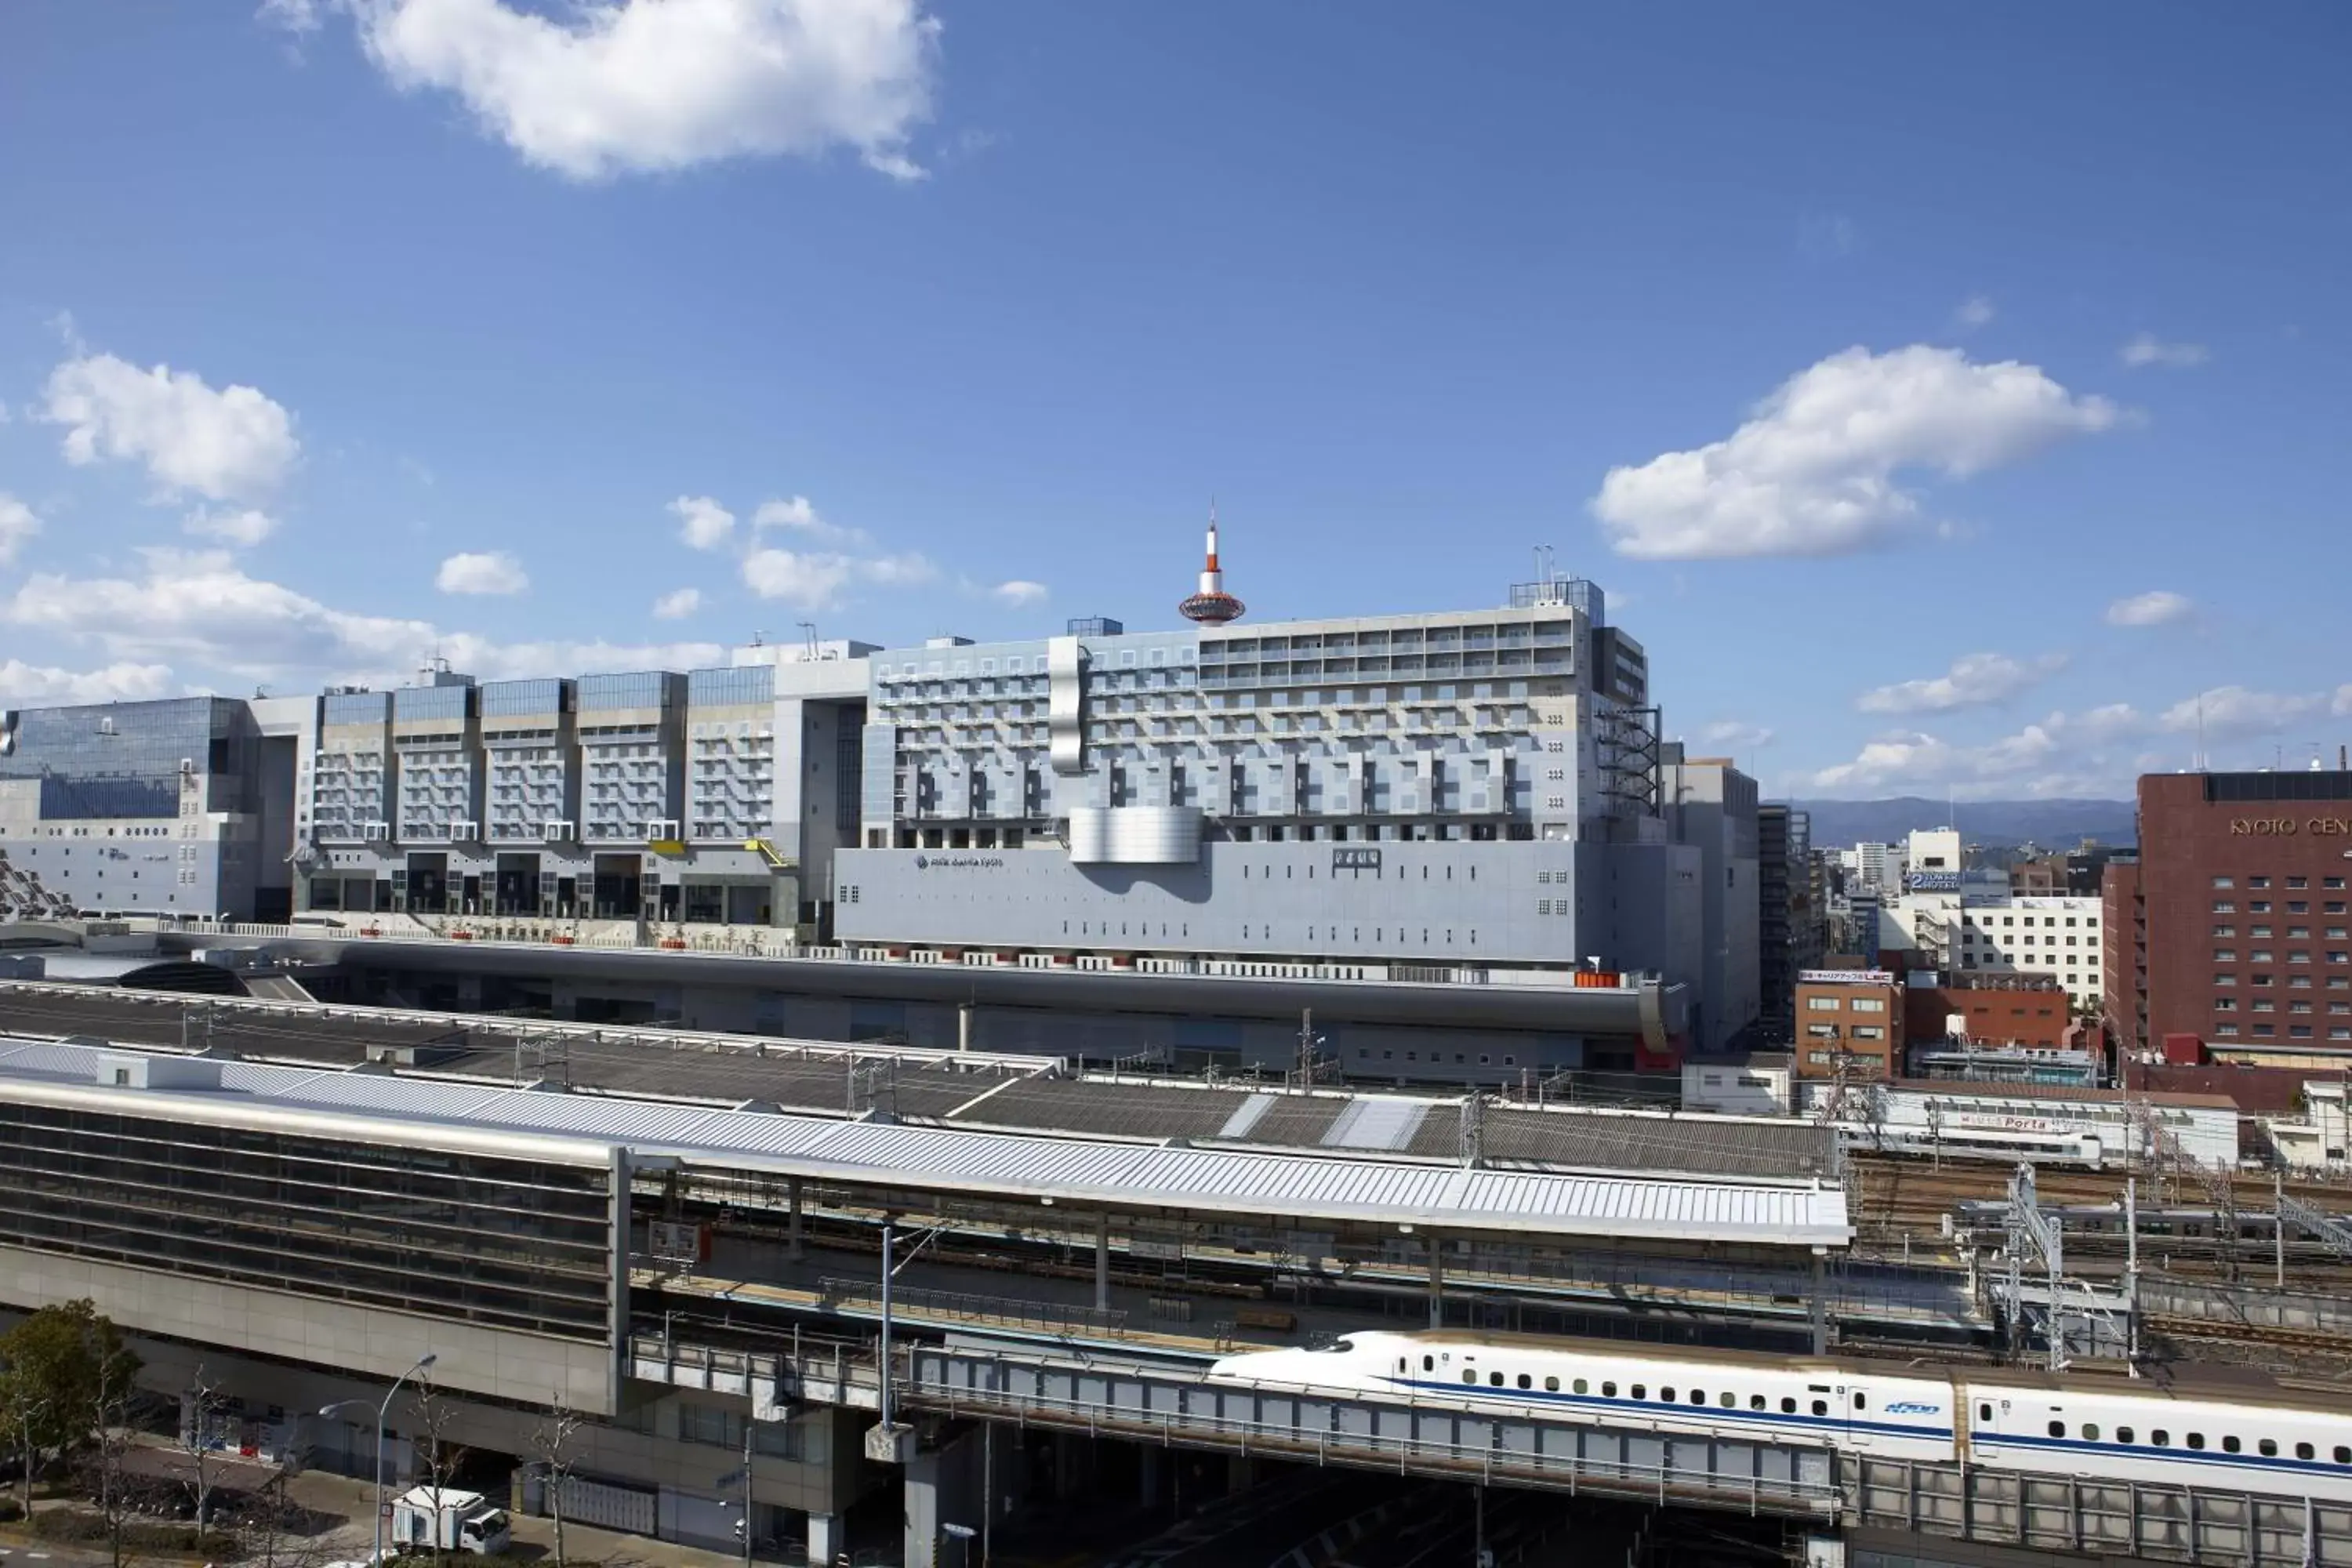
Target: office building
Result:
[[2232, 926], [1849, 1023], [178, 806], [717, 796], [1791, 919]]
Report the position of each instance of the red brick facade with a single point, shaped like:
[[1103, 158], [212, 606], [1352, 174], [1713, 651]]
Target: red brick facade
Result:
[[2233, 926]]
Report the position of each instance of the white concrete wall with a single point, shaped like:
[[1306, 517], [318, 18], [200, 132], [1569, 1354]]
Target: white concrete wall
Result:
[[376, 1342]]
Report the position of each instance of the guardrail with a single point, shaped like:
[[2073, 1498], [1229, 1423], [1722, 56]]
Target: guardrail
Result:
[[1003, 1312]]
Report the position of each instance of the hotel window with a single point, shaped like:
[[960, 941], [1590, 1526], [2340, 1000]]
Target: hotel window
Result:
[[2225, 1028], [2223, 882], [2225, 1004], [2331, 881], [2225, 980], [2259, 956], [2258, 980], [2224, 907], [2258, 881], [2298, 906], [2298, 933], [2298, 1031], [2258, 931], [2258, 906], [2225, 955], [2298, 881], [2265, 1031]]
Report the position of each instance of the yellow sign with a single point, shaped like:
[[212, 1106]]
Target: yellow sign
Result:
[[2287, 827]]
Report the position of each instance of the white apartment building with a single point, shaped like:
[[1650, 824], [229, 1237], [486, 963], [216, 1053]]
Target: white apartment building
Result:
[[2055, 936]]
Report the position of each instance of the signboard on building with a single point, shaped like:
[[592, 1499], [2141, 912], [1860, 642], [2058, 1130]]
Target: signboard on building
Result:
[[1935, 881], [1845, 977]]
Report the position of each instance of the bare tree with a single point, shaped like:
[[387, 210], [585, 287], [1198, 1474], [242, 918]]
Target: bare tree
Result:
[[441, 1456], [270, 1538], [552, 1442], [200, 1407], [22, 1406], [109, 1419]]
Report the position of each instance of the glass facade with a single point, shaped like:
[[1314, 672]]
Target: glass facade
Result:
[[125, 759], [415, 703], [523, 698], [638, 688], [512, 1243]]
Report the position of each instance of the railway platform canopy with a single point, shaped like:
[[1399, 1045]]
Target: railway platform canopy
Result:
[[1033, 1097], [1394, 1192]]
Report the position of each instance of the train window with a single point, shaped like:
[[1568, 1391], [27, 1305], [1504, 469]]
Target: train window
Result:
[[1698, 1397], [1788, 1405], [2230, 1445], [1400, 1364], [2160, 1437], [1861, 1402], [2343, 1455], [1429, 1363], [1525, 1382], [1820, 1407], [2197, 1439], [1609, 1391], [2123, 1433], [2057, 1428], [1495, 1378], [2267, 1448], [2304, 1450], [1984, 1410], [1755, 1401], [1551, 1385], [2090, 1431], [1640, 1390], [1729, 1402], [1667, 1395], [1470, 1375], [1580, 1385]]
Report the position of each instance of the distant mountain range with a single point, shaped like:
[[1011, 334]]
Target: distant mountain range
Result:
[[2052, 824]]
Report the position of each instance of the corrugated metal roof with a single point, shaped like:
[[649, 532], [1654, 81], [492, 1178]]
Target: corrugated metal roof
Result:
[[1358, 1187]]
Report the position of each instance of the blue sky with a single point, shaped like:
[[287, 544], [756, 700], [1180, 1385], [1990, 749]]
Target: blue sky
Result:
[[1948, 397]]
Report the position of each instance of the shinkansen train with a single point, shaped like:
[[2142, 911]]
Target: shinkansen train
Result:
[[2262, 1438]]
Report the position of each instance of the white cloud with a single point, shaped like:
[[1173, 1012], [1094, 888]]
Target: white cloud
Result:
[[2341, 704], [27, 685], [200, 610], [1737, 735], [2157, 607], [233, 443], [2146, 350], [244, 525], [2239, 712], [702, 522], [818, 580], [679, 604], [601, 88], [1019, 593], [2058, 756], [293, 16], [1975, 680], [799, 515], [481, 572], [17, 524], [1976, 310], [1813, 472]]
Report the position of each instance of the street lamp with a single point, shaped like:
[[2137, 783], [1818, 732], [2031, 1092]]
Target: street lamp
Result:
[[423, 1362]]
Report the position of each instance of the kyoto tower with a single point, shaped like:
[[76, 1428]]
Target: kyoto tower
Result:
[[1211, 605]]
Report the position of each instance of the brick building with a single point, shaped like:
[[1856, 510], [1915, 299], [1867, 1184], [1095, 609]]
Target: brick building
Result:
[[1854, 1014], [2025, 1010], [2233, 925]]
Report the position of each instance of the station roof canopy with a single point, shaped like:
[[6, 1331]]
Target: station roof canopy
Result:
[[1131, 1177]]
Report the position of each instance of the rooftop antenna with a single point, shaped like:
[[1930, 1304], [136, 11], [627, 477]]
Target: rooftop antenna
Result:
[[809, 642]]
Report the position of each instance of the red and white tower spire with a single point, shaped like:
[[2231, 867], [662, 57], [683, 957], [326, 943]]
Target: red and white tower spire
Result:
[[1211, 605]]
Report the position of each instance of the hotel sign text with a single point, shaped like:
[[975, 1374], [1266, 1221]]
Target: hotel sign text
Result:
[[2287, 827]]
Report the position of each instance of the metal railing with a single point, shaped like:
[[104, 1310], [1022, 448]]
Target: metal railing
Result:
[[1007, 1311]]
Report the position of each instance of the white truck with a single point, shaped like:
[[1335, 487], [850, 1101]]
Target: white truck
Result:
[[425, 1520]]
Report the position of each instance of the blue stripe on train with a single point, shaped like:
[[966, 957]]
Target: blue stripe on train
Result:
[[1826, 1424]]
